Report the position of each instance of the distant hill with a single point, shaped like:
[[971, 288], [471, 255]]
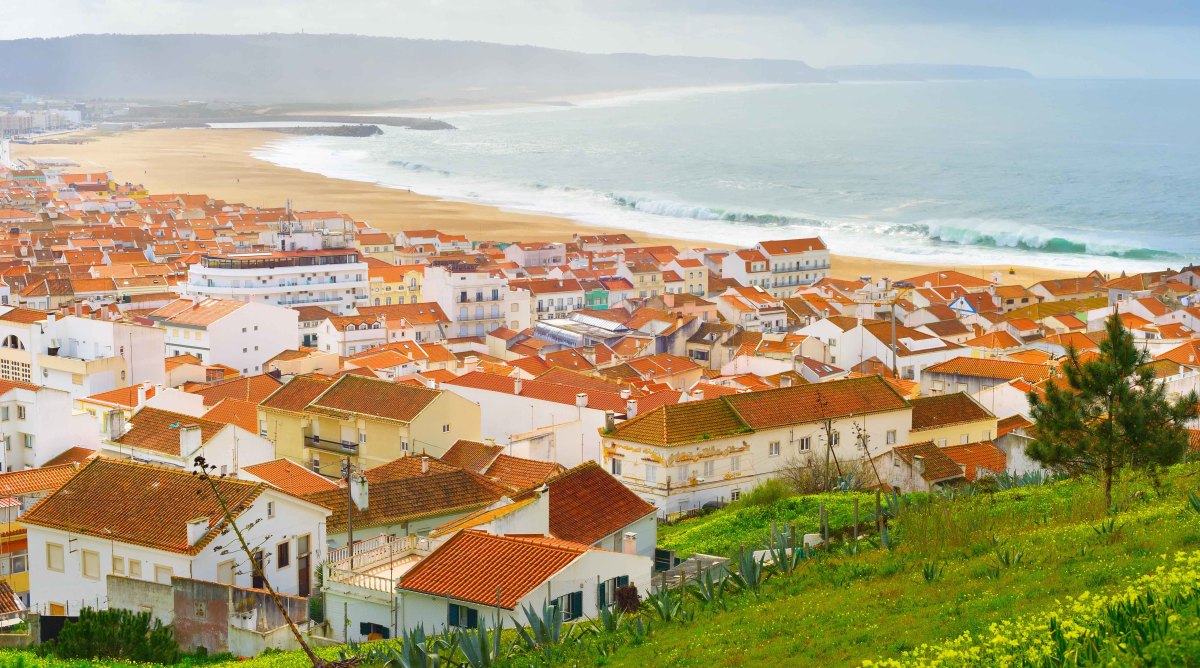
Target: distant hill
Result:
[[923, 72], [340, 69]]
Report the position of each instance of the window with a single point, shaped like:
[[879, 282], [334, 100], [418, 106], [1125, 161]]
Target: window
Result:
[[987, 434], [462, 617], [283, 555], [964, 439], [708, 469], [135, 568], [835, 438], [569, 606], [773, 449], [162, 574], [20, 412], [735, 463], [118, 565], [362, 436], [614, 466], [806, 444], [941, 442], [3, 413], [735, 495], [651, 474], [270, 509], [606, 595], [891, 437], [91, 564], [54, 557], [27, 440], [445, 428]]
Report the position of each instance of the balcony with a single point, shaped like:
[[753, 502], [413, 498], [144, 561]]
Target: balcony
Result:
[[78, 365], [794, 270], [481, 298], [378, 563]]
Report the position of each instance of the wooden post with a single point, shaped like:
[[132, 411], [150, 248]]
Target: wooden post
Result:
[[878, 514], [824, 526], [856, 520]]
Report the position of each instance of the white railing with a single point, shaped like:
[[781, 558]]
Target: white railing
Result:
[[380, 548], [348, 577]]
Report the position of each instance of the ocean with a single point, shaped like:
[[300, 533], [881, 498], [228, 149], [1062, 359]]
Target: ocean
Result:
[[1060, 173]]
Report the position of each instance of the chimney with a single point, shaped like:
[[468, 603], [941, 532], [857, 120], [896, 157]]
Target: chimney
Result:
[[785, 381], [630, 409], [359, 492], [516, 385], [431, 383], [189, 439], [196, 529], [470, 363], [141, 395], [610, 421], [581, 400], [626, 393], [424, 464], [697, 395], [589, 354], [114, 422], [919, 465], [629, 543]]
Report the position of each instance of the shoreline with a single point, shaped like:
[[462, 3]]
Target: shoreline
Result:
[[218, 163]]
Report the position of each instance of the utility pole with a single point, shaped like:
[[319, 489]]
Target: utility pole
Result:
[[348, 470]]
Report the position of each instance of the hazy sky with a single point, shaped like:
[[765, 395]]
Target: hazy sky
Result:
[[1129, 38]]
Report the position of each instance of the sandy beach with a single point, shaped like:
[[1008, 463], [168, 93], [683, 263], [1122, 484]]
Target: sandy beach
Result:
[[219, 163]]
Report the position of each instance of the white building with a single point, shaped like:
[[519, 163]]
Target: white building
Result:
[[78, 355], [168, 524], [242, 335], [172, 439], [794, 263], [37, 425], [476, 301], [335, 279]]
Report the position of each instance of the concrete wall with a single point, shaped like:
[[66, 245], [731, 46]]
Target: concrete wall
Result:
[[141, 596]]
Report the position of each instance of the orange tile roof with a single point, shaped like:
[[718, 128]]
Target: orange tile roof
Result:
[[155, 504], [247, 388], [17, 483], [977, 459], [405, 496], [236, 412], [977, 367], [73, 455], [158, 430], [788, 246], [520, 473], [938, 465], [360, 395], [481, 568], [199, 314], [806, 403], [297, 393], [126, 397], [944, 410], [291, 477], [23, 316], [587, 504], [1011, 423], [472, 455]]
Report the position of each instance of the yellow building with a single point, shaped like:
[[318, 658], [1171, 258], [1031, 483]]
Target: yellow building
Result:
[[318, 422], [395, 284], [951, 419], [379, 245]]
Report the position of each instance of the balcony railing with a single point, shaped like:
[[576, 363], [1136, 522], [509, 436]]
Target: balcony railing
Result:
[[793, 270]]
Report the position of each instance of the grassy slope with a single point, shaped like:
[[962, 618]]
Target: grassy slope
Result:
[[878, 604], [844, 609]]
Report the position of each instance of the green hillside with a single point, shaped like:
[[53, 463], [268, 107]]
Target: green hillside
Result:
[[1037, 575]]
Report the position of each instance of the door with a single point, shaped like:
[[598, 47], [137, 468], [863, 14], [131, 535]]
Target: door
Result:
[[256, 580], [303, 567]]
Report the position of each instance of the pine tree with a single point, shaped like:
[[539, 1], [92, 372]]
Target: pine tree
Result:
[[1112, 413]]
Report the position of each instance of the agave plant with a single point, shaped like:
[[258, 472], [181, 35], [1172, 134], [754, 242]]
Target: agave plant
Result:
[[784, 554], [667, 606], [751, 573], [931, 571], [480, 648], [608, 620], [708, 589], [416, 650], [544, 629], [1194, 502]]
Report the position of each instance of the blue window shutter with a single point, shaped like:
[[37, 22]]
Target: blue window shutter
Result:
[[364, 628], [600, 594], [576, 604], [472, 618], [622, 580], [453, 615]]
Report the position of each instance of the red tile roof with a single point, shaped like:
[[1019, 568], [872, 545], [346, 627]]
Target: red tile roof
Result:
[[158, 430], [247, 388], [472, 455], [73, 455], [372, 397], [297, 393], [587, 505], [938, 465], [481, 568], [291, 477], [521, 473], [45, 478], [944, 410], [978, 367], [236, 412], [155, 504], [977, 459]]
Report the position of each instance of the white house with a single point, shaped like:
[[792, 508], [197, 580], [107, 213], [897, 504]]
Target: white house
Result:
[[176, 439], [164, 523], [793, 263], [242, 335], [476, 301], [37, 424]]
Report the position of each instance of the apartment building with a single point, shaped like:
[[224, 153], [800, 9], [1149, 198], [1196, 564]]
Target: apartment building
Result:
[[239, 334], [476, 300], [793, 263], [336, 279]]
